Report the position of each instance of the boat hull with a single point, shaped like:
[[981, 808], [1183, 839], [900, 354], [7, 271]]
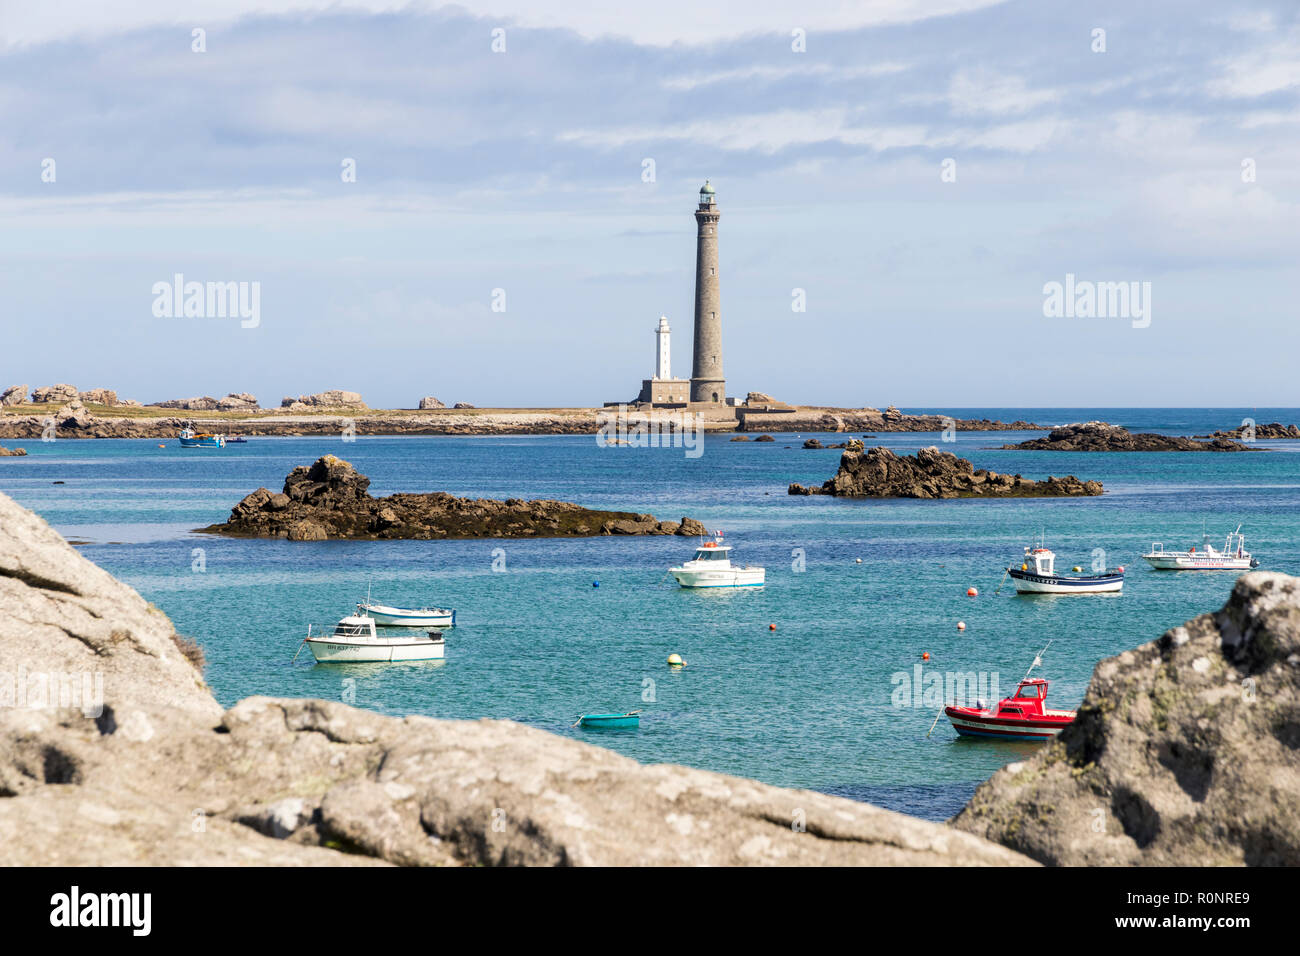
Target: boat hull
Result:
[[1195, 562], [969, 722], [327, 651], [726, 578], [609, 721], [1027, 582], [396, 617], [202, 442]]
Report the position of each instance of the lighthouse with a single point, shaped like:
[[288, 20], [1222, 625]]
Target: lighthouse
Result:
[[663, 350], [707, 382]]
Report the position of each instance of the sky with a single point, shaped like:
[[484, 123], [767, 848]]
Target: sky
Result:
[[916, 173]]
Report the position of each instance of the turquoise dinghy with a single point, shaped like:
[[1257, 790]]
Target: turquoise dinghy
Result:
[[610, 721]]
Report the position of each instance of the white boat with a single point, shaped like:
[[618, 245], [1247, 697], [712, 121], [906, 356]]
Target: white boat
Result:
[[408, 616], [1233, 557], [712, 568], [1037, 575], [354, 640]]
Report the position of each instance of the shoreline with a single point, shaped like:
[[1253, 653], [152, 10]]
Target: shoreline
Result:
[[27, 421]]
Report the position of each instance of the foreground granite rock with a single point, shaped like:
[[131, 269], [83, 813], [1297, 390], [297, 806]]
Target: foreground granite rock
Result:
[[1186, 751], [1101, 436], [930, 473], [12, 452], [329, 499], [157, 774]]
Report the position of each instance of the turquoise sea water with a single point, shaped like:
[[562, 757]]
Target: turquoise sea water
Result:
[[805, 705]]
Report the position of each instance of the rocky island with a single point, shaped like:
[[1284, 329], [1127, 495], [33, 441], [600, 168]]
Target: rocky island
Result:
[[1270, 431], [930, 473], [329, 499], [1101, 436], [12, 452]]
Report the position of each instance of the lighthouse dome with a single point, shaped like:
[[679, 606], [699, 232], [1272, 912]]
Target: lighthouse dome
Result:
[[706, 189]]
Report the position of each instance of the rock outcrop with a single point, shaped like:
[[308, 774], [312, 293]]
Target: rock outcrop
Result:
[[12, 452], [1186, 751], [54, 394], [930, 473], [99, 396], [148, 769], [14, 395], [233, 402], [1260, 432], [1101, 436], [429, 402], [329, 499], [463, 405], [335, 398]]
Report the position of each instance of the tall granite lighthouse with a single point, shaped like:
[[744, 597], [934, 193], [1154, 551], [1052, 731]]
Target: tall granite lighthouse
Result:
[[707, 382]]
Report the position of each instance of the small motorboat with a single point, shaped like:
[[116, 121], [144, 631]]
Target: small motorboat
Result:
[[1037, 575], [354, 640], [191, 439], [1022, 716], [627, 721], [712, 568], [236, 440], [1233, 557], [407, 616]]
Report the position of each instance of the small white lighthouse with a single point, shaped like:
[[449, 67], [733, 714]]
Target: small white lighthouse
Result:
[[663, 366]]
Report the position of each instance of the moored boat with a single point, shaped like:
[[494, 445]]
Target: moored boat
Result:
[[1037, 575], [408, 616], [712, 568], [1022, 716], [610, 721], [189, 438], [1233, 557], [354, 640]]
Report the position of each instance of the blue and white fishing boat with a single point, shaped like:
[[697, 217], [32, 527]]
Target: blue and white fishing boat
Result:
[[712, 568], [408, 616], [1037, 575], [191, 439]]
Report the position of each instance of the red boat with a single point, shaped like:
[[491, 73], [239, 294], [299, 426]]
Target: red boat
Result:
[[1022, 716]]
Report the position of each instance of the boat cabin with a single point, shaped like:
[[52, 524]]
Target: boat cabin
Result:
[[355, 627], [1027, 700], [1039, 561], [712, 551]]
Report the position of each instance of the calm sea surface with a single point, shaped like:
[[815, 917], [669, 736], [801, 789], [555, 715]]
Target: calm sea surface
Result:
[[805, 705]]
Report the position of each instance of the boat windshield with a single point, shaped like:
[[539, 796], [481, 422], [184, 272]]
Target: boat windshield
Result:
[[710, 554]]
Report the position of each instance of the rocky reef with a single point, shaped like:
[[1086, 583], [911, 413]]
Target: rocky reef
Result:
[[330, 499], [930, 473], [12, 452], [148, 769], [1101, 436], [1261, 432], [333, 398], [233, 402], [1186, 751]]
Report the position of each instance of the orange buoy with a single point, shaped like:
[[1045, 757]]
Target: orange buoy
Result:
[[972, 592], [961, 625], [925, 655], [771, 627]]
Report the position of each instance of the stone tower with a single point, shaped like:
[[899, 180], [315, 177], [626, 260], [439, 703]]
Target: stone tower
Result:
[[663, 350], [707, 383]]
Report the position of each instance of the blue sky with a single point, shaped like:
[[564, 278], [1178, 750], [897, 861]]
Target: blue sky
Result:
[[522, 171]]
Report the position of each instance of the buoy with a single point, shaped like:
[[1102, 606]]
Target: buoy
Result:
[[675, 660], [859, 561], [595, 584], [1024, 567], [925, 655], [961, 625], [1076, 569], [162, 446], [972, 592], [1121, 569], [771, 627]]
